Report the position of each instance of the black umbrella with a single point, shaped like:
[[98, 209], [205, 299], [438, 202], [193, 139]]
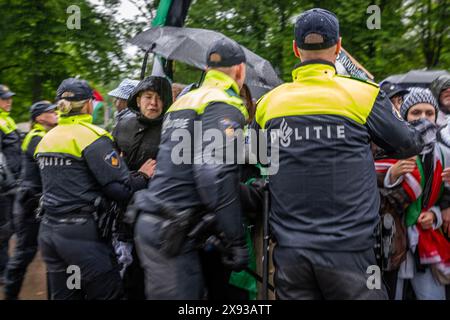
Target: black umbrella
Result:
[[421, 78], [189, 45]]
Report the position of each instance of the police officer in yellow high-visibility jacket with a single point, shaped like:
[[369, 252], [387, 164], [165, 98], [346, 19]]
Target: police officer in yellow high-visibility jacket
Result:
[[324, 197], [78, 165], [10, 153], [189, 178], [26, 226]]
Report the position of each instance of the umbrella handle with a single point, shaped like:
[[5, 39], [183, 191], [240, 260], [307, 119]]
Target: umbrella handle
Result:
[[144, 63]]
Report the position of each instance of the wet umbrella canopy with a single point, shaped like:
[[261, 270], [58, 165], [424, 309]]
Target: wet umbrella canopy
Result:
[[189, 45], [422, 78]]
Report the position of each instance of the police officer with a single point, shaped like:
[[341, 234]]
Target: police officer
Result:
[[79, 166], [10, 148], [43, 118], [324, 197], [183, 188], [395, 93]]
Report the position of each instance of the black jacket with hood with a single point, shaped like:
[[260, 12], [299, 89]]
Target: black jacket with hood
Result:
[[437, 86], [137, 138]]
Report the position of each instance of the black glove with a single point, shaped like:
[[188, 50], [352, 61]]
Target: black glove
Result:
[[236, 258]]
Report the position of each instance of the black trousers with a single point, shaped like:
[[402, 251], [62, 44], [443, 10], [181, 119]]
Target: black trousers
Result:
[[217, 278], [167, 278], [133, 279], [6, 230], [302, 274], [66, 247], [26, 228]]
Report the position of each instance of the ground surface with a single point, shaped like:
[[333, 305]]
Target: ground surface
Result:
[[34, 286]]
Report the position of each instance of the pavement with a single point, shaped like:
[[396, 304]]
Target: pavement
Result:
[[35, 283]]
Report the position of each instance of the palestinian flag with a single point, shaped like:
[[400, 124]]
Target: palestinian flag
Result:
[[433, 247], [99, 108], [170, 13], [413, 183]]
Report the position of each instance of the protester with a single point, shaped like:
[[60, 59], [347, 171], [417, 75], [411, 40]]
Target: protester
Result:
[[324, 201], [137, 139], [427, 263], [440, 88], [121, 95], [43, 118], [441, 92]]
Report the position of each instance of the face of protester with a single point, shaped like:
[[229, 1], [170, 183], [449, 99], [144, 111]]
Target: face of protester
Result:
[[48, 119], [422, 110], [444, 99], [6, 104], [397, 101], [150, 104], [120, 104]]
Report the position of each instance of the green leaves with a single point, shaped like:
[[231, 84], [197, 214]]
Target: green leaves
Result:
[[414, 34], [38, 50]]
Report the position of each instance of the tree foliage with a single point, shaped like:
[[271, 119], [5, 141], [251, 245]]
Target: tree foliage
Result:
[[38, 51], [414, 33]]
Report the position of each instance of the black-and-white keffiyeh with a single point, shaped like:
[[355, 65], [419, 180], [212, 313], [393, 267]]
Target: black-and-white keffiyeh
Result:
[[428, 132], [444, 134]]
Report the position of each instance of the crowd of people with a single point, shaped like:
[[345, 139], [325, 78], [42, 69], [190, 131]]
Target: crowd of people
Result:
[[363, 179]]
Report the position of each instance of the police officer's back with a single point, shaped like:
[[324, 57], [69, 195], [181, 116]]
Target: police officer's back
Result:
[[79, 166], [324, 197], [182, 183]]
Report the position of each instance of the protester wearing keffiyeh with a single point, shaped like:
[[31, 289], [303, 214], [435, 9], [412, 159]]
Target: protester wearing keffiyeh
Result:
[[424, 187]]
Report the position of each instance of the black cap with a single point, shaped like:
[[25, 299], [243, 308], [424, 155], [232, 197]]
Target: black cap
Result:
[[224, 52], [392, 89], [317, 21], [40, 107], [5, 93], [74, 90]]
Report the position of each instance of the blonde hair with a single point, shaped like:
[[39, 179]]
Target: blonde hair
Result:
[[66, 106]]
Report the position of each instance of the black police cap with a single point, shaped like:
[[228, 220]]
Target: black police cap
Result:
[[5, 93], [74, 90], [393, 89], [40, 107], [316, 21], [224, 52]]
